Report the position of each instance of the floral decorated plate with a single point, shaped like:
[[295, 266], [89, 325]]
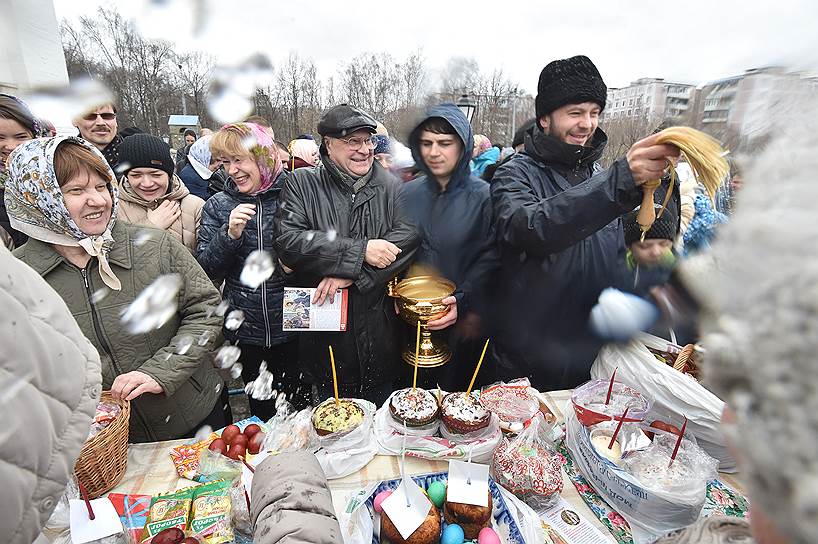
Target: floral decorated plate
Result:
[[503, 523]]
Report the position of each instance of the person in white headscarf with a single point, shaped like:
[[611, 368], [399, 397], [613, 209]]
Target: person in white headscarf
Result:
[[203, 175], [303, 154]]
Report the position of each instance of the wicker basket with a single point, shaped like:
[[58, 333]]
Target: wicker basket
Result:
[[687, 361], [103, 458]]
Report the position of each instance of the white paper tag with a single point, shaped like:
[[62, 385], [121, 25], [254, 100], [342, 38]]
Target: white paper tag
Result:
[[247, 474], [105, 523], [468, 483], [407, 518]]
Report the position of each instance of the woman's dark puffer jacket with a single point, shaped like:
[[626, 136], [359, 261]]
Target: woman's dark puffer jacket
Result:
[[223, 259]]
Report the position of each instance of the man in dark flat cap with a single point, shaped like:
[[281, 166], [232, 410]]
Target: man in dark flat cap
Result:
[[340, 225]]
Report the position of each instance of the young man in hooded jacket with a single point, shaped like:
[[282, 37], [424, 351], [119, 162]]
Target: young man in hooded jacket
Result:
[[559, 230], [452, 210]]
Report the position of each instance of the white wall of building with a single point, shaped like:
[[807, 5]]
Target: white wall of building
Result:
[[31, 54]]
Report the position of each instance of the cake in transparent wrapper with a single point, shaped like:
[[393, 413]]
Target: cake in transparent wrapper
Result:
[[589, 404], [651, 466], [529, 467], [513, 402]]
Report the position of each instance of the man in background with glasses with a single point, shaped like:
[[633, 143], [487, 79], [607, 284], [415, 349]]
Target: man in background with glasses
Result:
[[99, 127], [341, 225]]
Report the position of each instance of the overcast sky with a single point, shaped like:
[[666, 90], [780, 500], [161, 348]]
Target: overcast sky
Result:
[[689, 41]]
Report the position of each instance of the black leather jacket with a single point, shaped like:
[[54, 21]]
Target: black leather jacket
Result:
[[561, 242], [321, 230]]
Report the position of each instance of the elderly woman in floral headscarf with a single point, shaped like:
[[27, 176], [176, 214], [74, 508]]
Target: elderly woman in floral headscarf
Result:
[[237, 225], [61, 193]]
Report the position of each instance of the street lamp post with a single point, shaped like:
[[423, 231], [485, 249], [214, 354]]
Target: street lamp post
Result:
[[467, 106], [184, 97]]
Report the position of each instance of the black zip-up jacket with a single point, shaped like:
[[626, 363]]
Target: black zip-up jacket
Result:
[[321, 230], [561, 241], [223, 259], [456, 224]]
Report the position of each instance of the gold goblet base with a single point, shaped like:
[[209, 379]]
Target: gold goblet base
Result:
[[434, 355]]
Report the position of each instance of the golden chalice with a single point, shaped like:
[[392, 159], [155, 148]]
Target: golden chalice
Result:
[[420, 299]]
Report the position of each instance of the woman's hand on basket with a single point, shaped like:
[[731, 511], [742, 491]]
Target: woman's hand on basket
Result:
[[130, 385]]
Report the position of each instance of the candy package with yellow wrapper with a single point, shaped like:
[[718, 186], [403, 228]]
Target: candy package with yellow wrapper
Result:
[[167, 510], [211, 512], [186, 458]]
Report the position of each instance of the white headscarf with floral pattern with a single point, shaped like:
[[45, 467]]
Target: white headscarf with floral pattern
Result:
[[36, 205]]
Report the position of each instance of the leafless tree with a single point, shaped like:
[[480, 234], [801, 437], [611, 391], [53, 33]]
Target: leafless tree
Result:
[[195, 75], [623, 133]]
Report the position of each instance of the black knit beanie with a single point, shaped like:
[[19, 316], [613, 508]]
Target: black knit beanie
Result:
[[663, 229], [145, 151], [569, 81]]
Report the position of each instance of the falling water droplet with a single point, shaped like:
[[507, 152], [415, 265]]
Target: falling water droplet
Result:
[[142, 237], [154, 306], [310, 235], [227, 356], [262, 388], [121, 168], [257, 267], [203, 433], [218, 310], [226, 104], [234, 320], [61, 105], [331, 235], [184, 344], [99, 294], [204, 338]]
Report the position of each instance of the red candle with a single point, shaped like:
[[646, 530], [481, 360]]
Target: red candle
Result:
[[610, 386], [678, 443], [618, 427]]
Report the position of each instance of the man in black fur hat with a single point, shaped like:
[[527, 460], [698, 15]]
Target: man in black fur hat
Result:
[[558, 223]]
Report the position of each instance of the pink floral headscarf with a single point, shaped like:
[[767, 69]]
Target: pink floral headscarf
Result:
[[481, 144], [261, 145]]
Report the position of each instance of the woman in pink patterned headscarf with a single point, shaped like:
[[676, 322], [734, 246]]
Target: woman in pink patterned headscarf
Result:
[[483, 155], [235, 245]]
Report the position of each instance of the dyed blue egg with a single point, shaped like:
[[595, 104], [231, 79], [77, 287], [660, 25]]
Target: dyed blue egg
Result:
[[452, 534]]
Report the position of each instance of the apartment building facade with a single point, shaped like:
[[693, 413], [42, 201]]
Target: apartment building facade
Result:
[[650, 98]]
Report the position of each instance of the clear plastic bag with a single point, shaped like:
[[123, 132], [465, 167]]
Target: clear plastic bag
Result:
[[692, 468], [287, 431], [341, 454], [215, 466], [513, 402], [528, 466], [58, 527], [240, 513], [588, 402], [355, 437], [651, 510], [672, 392], [390, 437]]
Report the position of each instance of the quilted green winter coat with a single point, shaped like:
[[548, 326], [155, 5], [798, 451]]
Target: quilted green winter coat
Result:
[[139, 255]]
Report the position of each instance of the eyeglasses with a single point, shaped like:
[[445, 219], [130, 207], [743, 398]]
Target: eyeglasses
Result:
[[356, 142], [93, 116]]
